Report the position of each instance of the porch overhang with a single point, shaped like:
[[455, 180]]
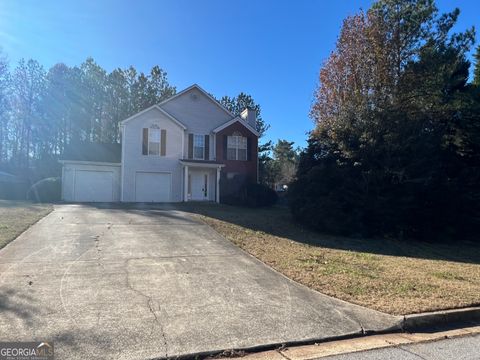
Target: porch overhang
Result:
[[201, 164]]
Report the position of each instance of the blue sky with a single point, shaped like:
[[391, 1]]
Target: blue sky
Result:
[[270, 49]]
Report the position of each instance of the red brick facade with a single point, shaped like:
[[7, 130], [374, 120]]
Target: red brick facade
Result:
[[247, 168]]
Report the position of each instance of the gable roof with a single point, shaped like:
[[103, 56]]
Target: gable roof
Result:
[[233, 121], [210, 97], [95, 152], [158, 108]]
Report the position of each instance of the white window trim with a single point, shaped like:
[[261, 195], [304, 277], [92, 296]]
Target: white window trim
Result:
[[203, 147], [237, 147], [159, 141]]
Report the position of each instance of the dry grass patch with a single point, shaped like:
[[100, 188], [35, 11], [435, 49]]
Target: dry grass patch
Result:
[[17, 216], [384, 274]]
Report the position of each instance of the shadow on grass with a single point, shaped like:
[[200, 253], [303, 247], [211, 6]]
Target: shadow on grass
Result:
[[24, 204], [277, 221]]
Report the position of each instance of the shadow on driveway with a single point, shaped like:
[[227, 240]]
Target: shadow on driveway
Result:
[[277, 221]]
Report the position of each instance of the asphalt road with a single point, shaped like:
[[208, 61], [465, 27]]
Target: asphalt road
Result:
[[461, 348], [149, 283]]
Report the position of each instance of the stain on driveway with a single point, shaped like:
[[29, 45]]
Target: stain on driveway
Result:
[[112, 283]]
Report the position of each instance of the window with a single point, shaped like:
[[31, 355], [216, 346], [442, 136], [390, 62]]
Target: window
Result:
[[198, 147], [153, 141], [236, 148], [242, 148]]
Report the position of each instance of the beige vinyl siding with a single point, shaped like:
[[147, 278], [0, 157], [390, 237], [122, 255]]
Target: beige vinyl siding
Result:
[[134, 161]]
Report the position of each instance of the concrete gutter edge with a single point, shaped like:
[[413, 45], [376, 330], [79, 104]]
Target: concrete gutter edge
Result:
[[415, 322], [264, 347], [411, 323], [359, 344], [220, 353]]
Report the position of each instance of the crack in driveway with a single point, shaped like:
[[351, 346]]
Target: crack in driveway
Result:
[[149, 302], [158, 290]]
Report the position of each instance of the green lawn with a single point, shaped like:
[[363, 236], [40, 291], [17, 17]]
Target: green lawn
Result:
[[393, 276], [17, 216]]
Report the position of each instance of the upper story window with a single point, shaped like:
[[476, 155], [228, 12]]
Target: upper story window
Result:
[[236, 147], [153, 141], [199, 147]]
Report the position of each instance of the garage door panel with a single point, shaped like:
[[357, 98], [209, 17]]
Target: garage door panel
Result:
[[93, 186], [153, 187]]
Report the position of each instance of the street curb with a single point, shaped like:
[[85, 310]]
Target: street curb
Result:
[[411, 323], [414, 322], [242, 351], [356, 345]]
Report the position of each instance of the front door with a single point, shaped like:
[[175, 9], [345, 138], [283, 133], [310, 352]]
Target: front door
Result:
[[199, 186]]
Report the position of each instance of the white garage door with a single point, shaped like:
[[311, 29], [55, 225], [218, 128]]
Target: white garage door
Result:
[[93, 186], [152, 187]]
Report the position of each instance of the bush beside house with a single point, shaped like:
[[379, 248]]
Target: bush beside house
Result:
[[46, 190], [239, 191]]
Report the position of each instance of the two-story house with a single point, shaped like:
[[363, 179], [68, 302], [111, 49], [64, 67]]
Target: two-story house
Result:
[[175, 151]]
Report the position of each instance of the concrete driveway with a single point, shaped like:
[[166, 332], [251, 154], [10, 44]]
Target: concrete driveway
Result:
[[151, 283]]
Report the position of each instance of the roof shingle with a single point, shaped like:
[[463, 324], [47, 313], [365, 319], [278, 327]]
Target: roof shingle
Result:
[[88, 151]]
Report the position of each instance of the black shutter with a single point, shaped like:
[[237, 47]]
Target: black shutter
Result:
[[225, 139], [249, 148], [145, 142], [163, 142], [190, 146], [207, 147]]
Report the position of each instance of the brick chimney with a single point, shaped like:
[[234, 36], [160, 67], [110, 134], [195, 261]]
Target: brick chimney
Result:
[[250, 116]]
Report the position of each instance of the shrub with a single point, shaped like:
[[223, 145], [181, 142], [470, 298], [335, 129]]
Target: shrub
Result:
[[45, 190], [232, 190], [335, 195], [258, 195], [239, 191], [13, 190], [327, 201]]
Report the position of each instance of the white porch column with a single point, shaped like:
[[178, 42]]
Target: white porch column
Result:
[[217, 198], [185, 185]]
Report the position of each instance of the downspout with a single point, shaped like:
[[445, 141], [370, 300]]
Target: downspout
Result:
[[122, 172]]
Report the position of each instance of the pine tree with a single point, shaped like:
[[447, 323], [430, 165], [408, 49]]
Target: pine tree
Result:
[[395, 128], [238, 103], [476, 71], [4, 106]]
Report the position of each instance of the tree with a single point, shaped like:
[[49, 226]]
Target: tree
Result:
[[393, 113], [158, 86], [267, 167], [41, 112], [284, 151], [118, 106], [238, 103], [54, 132], [286, 160], [476, 71], [93, 95], [28, 84], [4, 107]]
